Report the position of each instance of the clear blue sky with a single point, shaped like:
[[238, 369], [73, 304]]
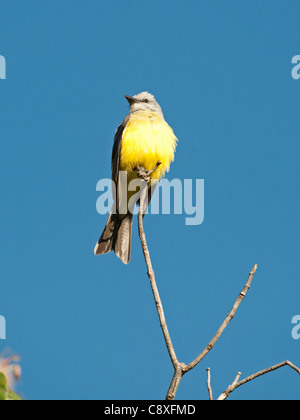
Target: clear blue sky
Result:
[[86, 327]]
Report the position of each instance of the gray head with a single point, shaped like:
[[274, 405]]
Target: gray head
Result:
[[143, 102]]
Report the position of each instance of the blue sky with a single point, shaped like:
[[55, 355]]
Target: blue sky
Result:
[[86, 327]]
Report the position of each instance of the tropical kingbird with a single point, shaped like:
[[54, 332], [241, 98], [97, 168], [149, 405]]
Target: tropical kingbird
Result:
[[141, 141]]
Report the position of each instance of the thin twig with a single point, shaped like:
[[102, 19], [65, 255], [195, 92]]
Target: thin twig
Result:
[[231, 388], [144, 190], [210, 393], [238, 376], [180, 368], [229, 317], [236, 384]]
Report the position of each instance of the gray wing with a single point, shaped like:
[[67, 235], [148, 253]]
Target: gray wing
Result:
[[117, 232], [116, 153]]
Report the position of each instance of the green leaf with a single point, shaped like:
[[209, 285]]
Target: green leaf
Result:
[[7, 394], [12, 396], [3, 387]]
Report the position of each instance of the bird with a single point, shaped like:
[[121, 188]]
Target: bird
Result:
[[143, 140]]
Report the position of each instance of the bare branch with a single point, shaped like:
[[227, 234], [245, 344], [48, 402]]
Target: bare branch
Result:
[[237, 378], [145, 175], [236, 384], [210, 393], [180, 368], [178, 374], [231, 387], [229, 317]]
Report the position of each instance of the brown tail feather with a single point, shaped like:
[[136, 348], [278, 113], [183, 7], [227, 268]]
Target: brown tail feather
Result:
[[116, 237]]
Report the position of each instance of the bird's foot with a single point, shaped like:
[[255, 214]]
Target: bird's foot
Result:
[[146, 175]]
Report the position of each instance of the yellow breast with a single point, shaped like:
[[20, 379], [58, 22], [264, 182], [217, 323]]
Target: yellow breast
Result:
[[146, 140]]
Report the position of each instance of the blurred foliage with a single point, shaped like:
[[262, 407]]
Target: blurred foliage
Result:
[[6, 394]]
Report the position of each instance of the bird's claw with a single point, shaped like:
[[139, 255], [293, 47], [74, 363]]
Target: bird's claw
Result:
[[145, 174]]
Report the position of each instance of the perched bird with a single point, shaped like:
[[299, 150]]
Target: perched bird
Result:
[[141, 141]]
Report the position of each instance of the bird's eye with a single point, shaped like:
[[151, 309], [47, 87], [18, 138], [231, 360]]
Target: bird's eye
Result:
[[146, 101]]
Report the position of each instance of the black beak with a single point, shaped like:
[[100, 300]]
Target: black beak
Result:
[[130, 99]]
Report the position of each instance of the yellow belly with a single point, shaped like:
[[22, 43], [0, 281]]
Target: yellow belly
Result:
[[146, 140]]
